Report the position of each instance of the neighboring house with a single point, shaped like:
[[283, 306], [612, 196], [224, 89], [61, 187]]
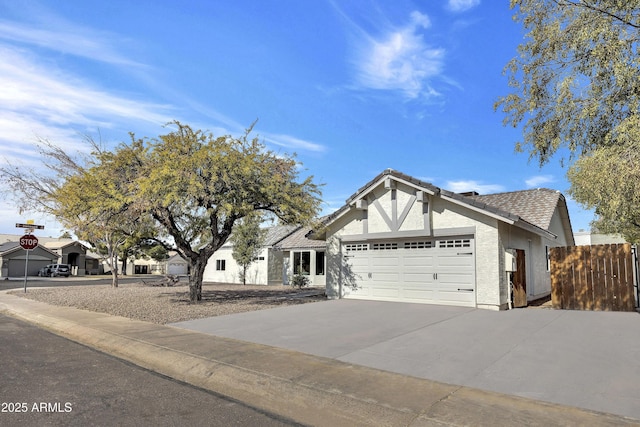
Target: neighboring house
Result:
[[70, 252], [67, 251], [13, 259], [175, 265], [267, 269], [402, 239], [584, 238]]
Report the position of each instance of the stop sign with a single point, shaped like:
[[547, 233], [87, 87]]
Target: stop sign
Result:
[[28, 242]]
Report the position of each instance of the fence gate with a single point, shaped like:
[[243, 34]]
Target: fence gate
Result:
[[598, 277]]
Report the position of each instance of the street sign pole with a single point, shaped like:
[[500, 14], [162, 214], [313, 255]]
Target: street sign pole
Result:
[[28, 242], [26, 268]]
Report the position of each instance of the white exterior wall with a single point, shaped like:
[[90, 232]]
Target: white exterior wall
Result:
[[447, 215], [256, 273]]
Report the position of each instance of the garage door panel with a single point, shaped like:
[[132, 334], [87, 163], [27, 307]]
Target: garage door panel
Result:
[[412, 279], [381, 261], [454, 261], [416, 260], [455, 296], [385, 292], [420, 293], [392, 277]]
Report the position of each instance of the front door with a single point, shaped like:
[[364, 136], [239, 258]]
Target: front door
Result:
[[520, 280]]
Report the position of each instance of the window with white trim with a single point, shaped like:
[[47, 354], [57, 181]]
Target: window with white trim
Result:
[[456, 243], [383, 246], [302, 263], [356, 247], [221, 264], [320, 263], [418, 245]]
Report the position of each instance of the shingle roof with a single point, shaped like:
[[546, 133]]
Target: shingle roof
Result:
[[8, 246], [299, 240], [277, 233], [534, 206]]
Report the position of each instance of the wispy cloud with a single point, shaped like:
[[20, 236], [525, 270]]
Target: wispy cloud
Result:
[[69, 39], [293, 143], [537, 181], [464, 186], [462, 5], [399, 59]]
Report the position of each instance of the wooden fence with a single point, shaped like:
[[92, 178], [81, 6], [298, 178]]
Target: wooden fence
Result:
[[598, 277]]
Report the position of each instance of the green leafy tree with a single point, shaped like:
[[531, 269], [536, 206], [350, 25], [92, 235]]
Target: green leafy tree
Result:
[[616, 198], [85, 192], [576, 85], [248, 239], [198, 186], [97, 203], [576, 81]]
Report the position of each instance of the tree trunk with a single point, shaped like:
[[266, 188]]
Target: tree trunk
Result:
[[113, 259], [244, 275], [195, 279]]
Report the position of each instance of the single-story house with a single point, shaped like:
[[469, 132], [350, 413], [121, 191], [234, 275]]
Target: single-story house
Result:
[[267, 269], [399, 238], [69, 252], [13, 259], [287, 251], [175, 265]]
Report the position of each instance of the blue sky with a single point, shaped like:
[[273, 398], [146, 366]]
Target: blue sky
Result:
[[353, 87]]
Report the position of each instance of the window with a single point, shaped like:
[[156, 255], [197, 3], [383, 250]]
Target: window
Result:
[[384, 246], [319, 263], [302, 263], [356, 247], [548, 257], [221, 264], [460, 243], [418, 245]]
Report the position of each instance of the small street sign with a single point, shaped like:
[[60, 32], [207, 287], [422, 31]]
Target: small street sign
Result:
[[32, 226], [28, 242]]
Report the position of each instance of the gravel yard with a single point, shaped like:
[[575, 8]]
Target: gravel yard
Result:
[[164, 305]]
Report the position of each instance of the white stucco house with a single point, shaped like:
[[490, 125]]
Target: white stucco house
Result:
[[402, 239], [287, 251], [266, 270]]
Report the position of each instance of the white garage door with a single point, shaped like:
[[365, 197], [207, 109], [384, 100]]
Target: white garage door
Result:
[[439, 271]]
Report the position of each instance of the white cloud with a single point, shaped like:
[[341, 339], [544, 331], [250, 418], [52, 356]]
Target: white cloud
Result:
[[37, 100], [464, 186], [69, 39], [294, 143], [462, 5], [537, 181], [400, 59]]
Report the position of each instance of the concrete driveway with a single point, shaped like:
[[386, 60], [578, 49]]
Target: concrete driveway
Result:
[[588, 360]]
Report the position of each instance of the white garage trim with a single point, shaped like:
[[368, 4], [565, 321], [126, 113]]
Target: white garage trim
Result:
[[423, 270]]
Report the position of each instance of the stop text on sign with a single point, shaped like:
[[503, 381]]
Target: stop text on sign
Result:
[[28, 241]]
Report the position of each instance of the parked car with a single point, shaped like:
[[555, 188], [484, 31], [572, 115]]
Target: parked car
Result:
[[53, 270]]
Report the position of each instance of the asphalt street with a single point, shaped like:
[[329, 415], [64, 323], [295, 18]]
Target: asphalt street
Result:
[[49, 380]]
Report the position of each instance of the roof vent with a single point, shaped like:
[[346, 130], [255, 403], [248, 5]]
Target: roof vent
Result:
[[469, 193]]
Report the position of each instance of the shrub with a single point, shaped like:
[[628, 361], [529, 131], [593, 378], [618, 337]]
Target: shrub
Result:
[[299, 281]]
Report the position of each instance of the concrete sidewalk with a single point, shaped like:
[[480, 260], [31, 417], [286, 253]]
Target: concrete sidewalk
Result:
[[310, 389]]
